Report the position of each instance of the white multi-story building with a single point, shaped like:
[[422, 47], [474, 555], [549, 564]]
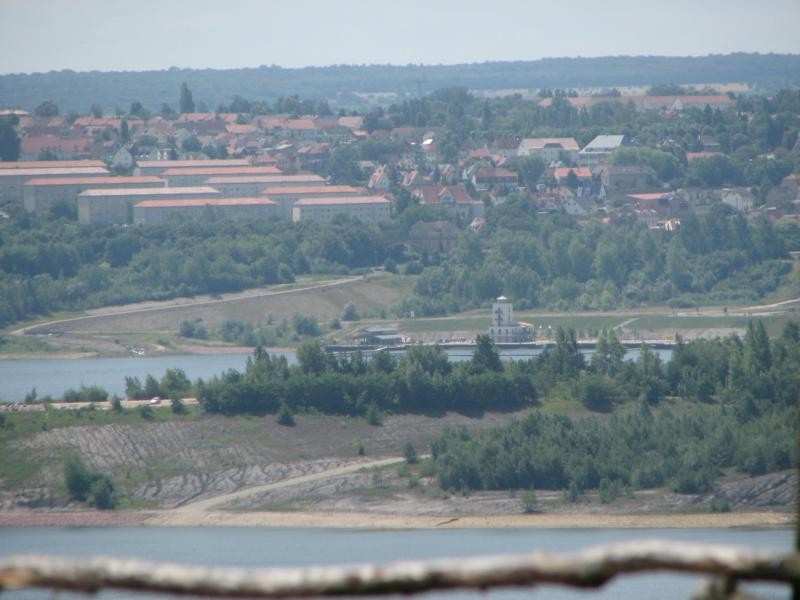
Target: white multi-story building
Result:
[[52, 164], [197, 176], [38, 195], [596, 152], [252, 185], [550, 149], [503, 329], [116, 205], [367, 209], [286, 196], [156, 167], [13, 180], [153, 212]]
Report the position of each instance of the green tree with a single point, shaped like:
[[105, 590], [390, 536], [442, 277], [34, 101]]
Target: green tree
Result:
[[529, 168], [191, 144], [597, 393], [285, 416], [528, 502], [175, 384], [311, 358], [350, 312], [486, 357], [151, 387], [47, 108], [757, 352], [137, 109], [86, 485], [186, 103], [374, 416], [608, 354], [9, 142], [409, 453], [572, 180], [342, 166], [305, 325], [102, 493], [77, 477], [97, 111], [134, 389]]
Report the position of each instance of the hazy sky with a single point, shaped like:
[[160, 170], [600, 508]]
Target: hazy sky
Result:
[[43, 35]]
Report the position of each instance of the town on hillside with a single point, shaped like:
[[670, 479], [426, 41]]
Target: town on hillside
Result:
[[647, 159]]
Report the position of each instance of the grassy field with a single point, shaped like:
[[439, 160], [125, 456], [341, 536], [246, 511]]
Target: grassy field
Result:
[[14, 344], [583, 324]]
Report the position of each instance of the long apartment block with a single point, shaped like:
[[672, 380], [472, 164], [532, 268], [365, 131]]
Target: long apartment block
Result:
[[116, 205], [40, 194]]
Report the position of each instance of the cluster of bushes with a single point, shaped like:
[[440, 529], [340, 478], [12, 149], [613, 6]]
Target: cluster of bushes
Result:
[[85, 485], [174, 384], [86, 393], [745, 394], [637, 450], [243, 333]]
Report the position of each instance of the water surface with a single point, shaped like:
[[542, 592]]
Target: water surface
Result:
[[251, 547]]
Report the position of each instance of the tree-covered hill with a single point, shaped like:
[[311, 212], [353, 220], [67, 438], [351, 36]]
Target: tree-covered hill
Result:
[[78, 90]]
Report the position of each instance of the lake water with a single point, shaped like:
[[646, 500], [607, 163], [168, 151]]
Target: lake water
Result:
[[251, 547], [53, 376]]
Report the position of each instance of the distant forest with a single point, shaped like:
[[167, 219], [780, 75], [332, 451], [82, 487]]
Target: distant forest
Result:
[[74, 91]]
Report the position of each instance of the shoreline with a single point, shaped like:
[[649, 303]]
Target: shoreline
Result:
[[383, 521]]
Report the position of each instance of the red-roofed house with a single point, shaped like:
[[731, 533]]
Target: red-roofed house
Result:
[[454, 197], [661, 202], [550, 149], [506, 147], [380, 179], [690, 156], [483, 179], [583, 174], [304, 129], [62, 148], [352, 123], [415, 178], [312, 156]]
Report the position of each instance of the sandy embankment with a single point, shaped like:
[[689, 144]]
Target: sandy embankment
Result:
[[340, 520]]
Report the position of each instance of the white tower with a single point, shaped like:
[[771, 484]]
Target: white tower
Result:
[[502, 313]]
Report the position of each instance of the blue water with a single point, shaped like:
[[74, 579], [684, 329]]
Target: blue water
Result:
[[251, 547], [54, 376]]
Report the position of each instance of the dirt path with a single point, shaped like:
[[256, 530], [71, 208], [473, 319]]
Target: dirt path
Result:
[[762, 307], [208, 504]]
